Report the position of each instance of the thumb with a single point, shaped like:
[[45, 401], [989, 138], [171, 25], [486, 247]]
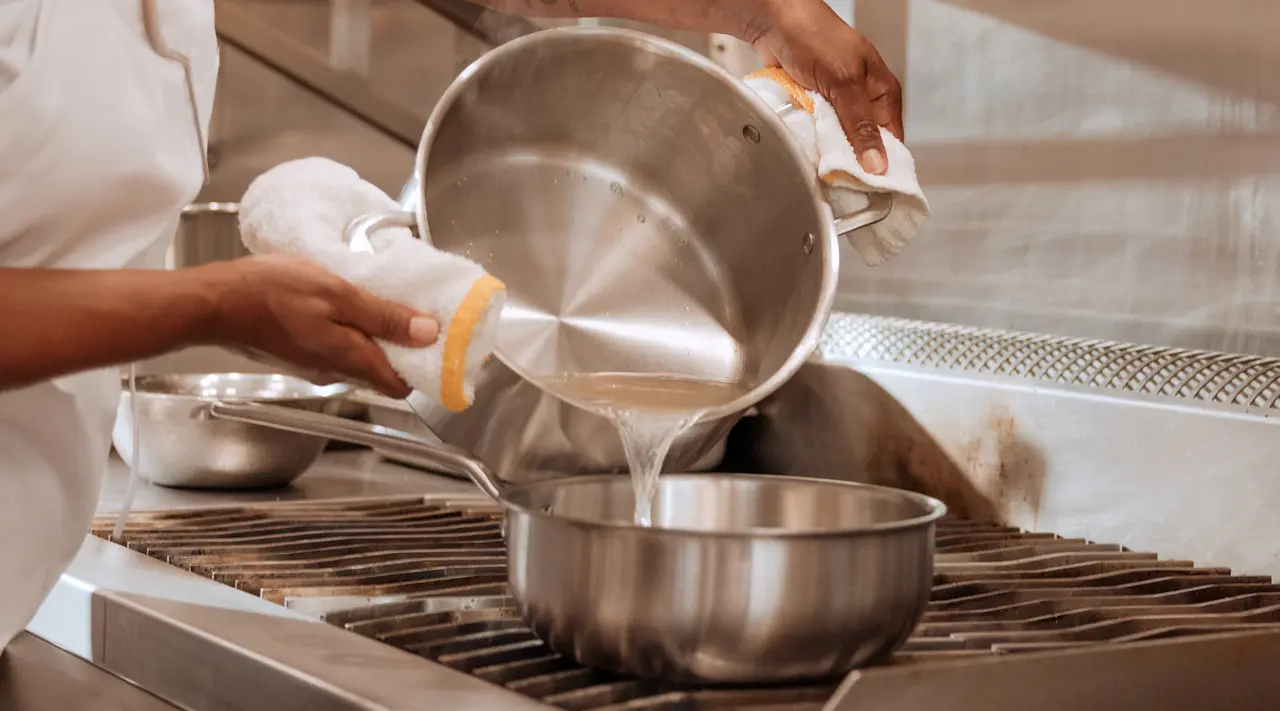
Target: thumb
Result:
[[386, 320], [854, 109]]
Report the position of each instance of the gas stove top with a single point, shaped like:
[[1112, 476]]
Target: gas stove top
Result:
[[428, 577]]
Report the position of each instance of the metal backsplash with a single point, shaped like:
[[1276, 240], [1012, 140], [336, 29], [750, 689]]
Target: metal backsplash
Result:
[[1098, 168]]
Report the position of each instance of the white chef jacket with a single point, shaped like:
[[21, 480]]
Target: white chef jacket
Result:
[[100, 147]]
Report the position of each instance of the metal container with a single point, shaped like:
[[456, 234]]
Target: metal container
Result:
[[208, 232], [742, 579], [182, 444], [647, 213]]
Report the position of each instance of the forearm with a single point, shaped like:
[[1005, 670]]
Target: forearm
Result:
[[55, 322], [739, 18]]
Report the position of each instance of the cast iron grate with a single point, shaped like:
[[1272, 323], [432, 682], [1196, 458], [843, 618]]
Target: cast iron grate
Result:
[[429, 578]]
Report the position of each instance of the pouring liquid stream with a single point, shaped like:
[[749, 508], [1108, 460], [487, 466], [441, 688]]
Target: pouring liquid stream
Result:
[[650, 413]]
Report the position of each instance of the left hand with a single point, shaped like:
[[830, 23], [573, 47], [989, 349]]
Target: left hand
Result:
[[824, 54]]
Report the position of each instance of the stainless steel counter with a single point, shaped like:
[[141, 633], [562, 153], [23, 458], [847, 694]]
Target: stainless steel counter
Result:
[[37, 676], [338, 475], [1177, 476], [206, 646], [203, 645]]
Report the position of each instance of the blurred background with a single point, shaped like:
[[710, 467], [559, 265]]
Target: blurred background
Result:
[[1096, 168]]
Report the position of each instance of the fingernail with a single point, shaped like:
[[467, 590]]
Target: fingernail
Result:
[[423, 330], [872, 161]]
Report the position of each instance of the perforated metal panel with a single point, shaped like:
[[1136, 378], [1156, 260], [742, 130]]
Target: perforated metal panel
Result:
[[1251, 381]]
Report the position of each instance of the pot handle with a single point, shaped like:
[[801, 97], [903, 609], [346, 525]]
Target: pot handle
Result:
[[356, 236], [879, 205], [313, 423]]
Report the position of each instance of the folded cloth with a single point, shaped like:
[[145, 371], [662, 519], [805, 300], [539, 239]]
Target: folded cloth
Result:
[[818, 129], [303, 207]]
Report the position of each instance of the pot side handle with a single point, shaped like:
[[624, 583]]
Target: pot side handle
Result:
[[879, 205], [357, 233]]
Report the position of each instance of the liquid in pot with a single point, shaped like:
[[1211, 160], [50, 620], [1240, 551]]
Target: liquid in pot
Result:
[[650, 412]]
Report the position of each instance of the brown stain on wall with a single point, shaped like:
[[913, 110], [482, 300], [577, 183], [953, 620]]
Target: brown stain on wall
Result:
[[833, 422], [1005, 466]]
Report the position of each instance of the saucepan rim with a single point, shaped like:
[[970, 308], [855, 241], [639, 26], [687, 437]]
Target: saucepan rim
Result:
[[934, 509], [305, 390], [811, 338]]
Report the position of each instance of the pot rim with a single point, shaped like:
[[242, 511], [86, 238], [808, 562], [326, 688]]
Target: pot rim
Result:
[[319, 392], [810, 341], [934, 510]]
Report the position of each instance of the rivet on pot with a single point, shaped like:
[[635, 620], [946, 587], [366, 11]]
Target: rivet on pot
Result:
[[751, 133], [808, 242]]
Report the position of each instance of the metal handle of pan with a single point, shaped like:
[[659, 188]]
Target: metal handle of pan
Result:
[[357, 233], [879, 205], [320, 425]]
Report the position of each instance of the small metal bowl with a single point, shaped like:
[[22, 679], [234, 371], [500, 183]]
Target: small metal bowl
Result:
[[183, 445]]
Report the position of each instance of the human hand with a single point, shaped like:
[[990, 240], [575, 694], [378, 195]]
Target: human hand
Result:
[[822, 53], [293, 310]]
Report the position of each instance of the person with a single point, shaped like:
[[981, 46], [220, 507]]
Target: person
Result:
[[105, 106]]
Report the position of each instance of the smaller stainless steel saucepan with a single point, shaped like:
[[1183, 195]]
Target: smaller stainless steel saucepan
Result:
[[742, 579]]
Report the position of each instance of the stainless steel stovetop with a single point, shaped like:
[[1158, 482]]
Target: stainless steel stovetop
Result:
[[429, 578], [1154, 449]]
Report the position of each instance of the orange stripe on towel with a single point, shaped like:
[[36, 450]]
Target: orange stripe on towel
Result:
[[458, 339], [799, 96]]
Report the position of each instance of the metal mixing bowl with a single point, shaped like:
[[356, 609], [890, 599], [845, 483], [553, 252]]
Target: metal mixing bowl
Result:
[[181, 444]]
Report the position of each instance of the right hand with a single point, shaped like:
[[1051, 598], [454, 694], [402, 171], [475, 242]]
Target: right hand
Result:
[[822, 53], [292, 309]]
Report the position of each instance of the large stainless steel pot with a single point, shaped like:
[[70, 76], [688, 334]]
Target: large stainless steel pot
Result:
[[743, 579], [647, 213]]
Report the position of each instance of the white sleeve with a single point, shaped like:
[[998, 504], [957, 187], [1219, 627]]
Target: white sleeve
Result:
[[18, 21]]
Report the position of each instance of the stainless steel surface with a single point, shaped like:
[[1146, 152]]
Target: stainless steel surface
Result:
[[37, 676], [208, 232], [1017, 620], [337, 475], [186, 638], [206, 647], [697, 597], [657, 219], [1188, 478], [1137, 205], [239, 28], [182, 443], [1214, 671]]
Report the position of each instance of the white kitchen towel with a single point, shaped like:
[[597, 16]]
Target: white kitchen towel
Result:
[[815, 124], [303, 207]]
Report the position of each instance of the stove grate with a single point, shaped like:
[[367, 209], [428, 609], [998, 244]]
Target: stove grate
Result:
[[429, 578]]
